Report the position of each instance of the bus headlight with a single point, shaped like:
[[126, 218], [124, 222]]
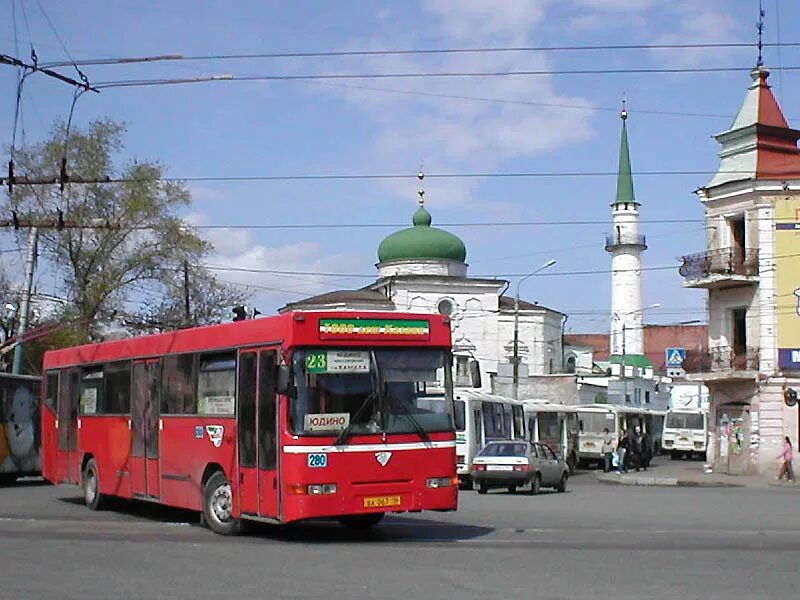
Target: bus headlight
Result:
[[318, 489], [313, 489], [441, 482]]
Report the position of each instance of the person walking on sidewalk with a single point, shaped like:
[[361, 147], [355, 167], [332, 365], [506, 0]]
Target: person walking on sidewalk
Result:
[[786, 455], [622, 450], [608, 450]]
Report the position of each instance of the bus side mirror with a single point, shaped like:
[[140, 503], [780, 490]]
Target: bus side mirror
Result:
[[475, 373], [284, 379]]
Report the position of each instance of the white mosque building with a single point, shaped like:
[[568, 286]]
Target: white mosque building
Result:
[[423, 269]]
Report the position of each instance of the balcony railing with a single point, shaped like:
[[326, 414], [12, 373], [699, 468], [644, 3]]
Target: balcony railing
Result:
[[723, 358], [724, 261], [626, 239]]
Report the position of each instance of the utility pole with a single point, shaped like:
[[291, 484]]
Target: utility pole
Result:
[[515, 358], [186, 308], [30, 265]]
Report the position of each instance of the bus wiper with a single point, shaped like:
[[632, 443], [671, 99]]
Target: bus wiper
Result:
[[416, 425], [356, 416]]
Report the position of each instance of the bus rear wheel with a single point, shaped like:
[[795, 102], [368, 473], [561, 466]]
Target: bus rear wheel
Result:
[[218, 505], [361, 521], [91, 487]]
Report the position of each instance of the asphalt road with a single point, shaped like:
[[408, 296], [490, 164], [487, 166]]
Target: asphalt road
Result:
[[595, 541]]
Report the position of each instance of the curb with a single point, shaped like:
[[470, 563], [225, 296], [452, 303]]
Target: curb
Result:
[[667, 482], [785, 486]]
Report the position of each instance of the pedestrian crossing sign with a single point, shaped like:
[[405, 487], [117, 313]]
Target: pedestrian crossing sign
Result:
[[675, 356]]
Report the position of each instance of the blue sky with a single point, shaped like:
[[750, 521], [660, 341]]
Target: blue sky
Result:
[[545, 124]]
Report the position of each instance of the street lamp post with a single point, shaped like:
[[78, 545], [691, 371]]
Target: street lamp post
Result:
[[622, 317], [515, 359]]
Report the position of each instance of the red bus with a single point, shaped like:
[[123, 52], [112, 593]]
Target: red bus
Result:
[[296, 416]]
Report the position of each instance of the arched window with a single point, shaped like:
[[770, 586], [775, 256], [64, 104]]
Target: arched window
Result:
[[570, 364]]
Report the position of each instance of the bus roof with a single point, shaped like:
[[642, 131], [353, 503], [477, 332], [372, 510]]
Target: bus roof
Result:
[[289, 330]]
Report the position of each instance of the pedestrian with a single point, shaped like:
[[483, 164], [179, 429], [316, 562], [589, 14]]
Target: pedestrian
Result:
[[647, 450], [786, 455], [636, 448], [622, 450], [608, 450]]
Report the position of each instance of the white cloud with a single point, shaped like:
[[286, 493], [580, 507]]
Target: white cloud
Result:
[[240, 259], [706, 22], [461, 132], [616, 5]]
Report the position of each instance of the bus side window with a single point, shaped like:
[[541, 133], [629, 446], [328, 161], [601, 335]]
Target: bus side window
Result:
[[178, 385], [267, 412], [51, 391]]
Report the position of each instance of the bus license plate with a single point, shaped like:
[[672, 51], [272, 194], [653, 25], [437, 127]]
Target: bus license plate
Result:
[[381, 501]]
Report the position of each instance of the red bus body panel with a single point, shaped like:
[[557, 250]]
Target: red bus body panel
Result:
[[366, 467]]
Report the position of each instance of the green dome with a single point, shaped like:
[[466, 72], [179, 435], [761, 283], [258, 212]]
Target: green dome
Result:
[[422, 241]]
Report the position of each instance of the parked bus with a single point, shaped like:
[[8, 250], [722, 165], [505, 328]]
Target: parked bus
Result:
[[296, 416], [555, 425], [685, 433], [20, 434], [594, 418], [482, 418]]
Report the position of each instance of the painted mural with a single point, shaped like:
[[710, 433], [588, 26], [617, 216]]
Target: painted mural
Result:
[[20, 441], [787, 274]]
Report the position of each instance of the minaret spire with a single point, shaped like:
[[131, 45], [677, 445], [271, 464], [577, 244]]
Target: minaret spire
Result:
[[624, 176]]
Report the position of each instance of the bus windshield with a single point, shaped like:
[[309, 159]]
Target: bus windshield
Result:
[[596, 422], [684, 421], [371, 391]]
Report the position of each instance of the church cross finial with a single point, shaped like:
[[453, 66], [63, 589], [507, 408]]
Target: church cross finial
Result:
[[760, 28]]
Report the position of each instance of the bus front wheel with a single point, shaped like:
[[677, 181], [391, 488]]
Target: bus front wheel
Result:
[[218, 505], [91, 487]]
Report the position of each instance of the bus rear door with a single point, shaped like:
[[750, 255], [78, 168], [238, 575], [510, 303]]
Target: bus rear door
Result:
[[257, 439], [145, 414]]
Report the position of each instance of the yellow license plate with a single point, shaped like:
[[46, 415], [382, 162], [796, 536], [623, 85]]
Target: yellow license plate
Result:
[[381, 501]]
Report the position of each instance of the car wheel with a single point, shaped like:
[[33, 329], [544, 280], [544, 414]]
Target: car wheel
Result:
[[562, 484], [512, 489], [91, 487], [483, 488], [361, 522], [536, 484], [218, 505]]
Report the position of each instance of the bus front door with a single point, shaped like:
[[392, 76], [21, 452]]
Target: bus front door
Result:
[[145, 411], [68, 459], [257, 429]]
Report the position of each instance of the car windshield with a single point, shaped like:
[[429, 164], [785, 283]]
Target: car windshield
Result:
[[504, 449], [684, 421], [596, 422], [371, 391]]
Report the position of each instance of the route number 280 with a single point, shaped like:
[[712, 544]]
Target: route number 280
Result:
[[317, 460]]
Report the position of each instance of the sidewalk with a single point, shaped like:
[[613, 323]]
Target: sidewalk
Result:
[[686, 473]]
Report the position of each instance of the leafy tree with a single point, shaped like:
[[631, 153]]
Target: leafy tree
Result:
[[125, 264]]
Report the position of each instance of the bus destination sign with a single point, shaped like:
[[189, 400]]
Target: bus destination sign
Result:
[[372, 328]]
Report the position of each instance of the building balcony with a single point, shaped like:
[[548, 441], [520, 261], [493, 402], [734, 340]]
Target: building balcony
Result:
[[622, 240], [720, 268], [722, 363]]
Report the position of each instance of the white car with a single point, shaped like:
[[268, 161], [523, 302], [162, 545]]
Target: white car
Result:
[[513, 464]]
